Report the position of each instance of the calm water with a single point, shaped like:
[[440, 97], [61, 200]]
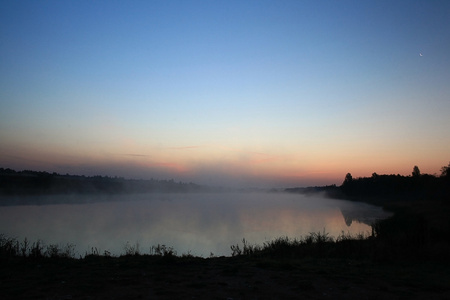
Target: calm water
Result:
[[197, 223]]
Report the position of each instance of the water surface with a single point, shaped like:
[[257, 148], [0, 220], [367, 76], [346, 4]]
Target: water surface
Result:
[[199, 224]]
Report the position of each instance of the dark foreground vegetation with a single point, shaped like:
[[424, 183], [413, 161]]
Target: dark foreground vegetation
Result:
[[313, 267], [404, 257]]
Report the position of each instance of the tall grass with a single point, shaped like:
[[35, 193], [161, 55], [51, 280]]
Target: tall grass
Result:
[[315, 244], [11, 247], [163, 250]]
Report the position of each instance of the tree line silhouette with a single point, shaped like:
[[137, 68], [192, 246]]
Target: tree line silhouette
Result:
[[29, 182], [417, 186]]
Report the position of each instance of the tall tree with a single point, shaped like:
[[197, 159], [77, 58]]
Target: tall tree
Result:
[[348, 178], [416, 172]]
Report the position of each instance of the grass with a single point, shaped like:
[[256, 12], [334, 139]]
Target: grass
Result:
[[316, 244], [11, 247]]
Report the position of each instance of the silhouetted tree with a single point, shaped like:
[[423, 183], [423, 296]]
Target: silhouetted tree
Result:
[[445, 171], [416, 172], [347, 184], [348, 178]]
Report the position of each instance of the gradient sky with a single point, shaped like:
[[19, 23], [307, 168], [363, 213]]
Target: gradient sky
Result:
[[241, 93]]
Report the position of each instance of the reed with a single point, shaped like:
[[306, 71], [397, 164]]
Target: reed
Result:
[[11, 247]]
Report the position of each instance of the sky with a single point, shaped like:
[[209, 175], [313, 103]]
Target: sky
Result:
[[235, 93]]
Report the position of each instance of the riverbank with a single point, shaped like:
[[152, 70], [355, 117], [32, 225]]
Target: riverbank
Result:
[[406, 258]]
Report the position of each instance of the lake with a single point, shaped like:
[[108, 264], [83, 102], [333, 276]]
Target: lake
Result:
[[199, 224]]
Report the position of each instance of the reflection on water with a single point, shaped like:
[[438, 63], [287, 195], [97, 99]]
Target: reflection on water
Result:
[[197, 223]]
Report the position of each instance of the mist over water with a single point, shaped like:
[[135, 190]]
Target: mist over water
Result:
[[200, 224]]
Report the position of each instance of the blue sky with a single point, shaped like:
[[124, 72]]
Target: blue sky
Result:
[[253, 93]]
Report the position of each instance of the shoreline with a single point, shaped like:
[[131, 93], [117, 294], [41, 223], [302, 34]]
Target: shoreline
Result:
[[392, 264]]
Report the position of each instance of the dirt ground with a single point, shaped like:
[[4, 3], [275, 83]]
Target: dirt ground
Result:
[[149, 277]]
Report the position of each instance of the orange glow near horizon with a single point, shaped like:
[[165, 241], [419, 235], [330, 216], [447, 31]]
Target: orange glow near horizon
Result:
[[197, 163], [316, 162]]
